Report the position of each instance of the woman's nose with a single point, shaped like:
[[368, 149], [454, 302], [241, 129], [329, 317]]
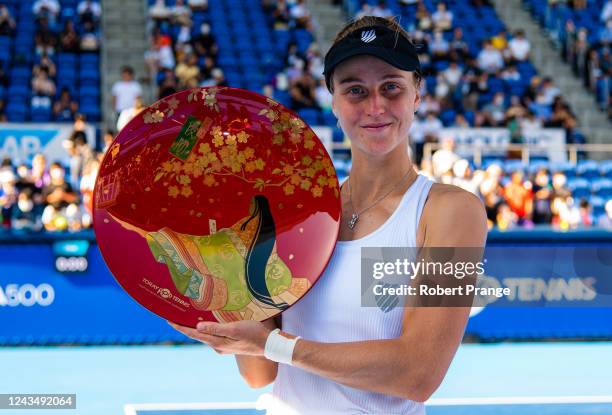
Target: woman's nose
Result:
[[375, 104]]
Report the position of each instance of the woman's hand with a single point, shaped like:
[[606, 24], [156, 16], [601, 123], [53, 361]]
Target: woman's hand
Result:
[[241, 337]]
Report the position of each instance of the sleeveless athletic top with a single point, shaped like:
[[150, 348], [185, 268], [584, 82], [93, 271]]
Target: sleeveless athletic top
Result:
[[331, 312]]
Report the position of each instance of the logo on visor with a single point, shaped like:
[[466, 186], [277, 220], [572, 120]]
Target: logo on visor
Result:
[[368, 35]]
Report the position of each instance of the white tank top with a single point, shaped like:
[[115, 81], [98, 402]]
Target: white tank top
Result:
[[331, 312]]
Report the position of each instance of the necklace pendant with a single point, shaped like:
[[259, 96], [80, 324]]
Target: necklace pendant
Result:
[[353, 221]]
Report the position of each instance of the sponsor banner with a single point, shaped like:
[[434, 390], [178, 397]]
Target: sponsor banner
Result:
[[20, 142], [59, 291], [549, 142]]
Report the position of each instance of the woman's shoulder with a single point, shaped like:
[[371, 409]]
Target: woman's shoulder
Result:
[[452, 210], [447, 198]]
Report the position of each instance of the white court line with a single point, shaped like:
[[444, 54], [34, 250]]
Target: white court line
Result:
[[520, 400], [131, 409]]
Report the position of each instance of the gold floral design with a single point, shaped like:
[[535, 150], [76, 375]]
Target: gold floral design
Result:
[[223, 150]]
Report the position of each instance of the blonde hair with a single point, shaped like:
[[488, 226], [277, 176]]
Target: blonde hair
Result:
[[369, 21]]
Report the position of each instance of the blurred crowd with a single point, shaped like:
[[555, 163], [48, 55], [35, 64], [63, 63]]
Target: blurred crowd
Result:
[[516, 198], [583, 31], [55, 33], [45, 195]]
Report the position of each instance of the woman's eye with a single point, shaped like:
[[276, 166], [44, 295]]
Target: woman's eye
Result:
[[391, 87]]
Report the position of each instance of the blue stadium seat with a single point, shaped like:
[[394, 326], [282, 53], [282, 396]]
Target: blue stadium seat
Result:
[[579, 187], [587, 169], [309, 115], [605, 168], [602, 188]]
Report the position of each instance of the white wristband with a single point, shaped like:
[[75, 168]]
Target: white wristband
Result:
[[279, 348]]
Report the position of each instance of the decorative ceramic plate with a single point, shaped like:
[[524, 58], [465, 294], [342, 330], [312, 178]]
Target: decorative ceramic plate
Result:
[[216, 204]]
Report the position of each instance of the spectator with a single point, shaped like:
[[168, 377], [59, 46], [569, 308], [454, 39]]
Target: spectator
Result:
[[500, 41], [159, 11], [530, 123], [80, 154], [107, 140], [605, 33], [44, 63], [605, 220], [439, 47], [69, 38], [125, 91], [40, 173], [187, 72], [492, 192], [519, 197], [300, 14], [89, 11], [489, 58], [323, 97], [444, 159], [58, 192], [8, 194], [129, 113], [542, 195], [452, 75], [45, 39], [506, 218], [80, 123], [168, 85], [198, 5], [423, 17], [3, 117], [463, 177], [25, 180], [65, 108], [88, 181], [207, 68], [381, 10], [586, 213], [7, 23], [26, 215], [519, 46], [442, 18], [54, 219], [510, 73], [281, 16], [303, 91], [90, 39], [459, 47], [204, 43], [181, 13], [46, 9], [428, 105], [365, 10], [495, 111], [42, 85]]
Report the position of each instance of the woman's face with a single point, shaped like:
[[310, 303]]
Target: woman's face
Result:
[[374, 103]]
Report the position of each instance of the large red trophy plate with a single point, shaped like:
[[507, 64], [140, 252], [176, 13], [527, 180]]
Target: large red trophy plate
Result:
[[216, 204]]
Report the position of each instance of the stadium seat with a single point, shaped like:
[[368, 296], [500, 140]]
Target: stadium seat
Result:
[[579, 187]]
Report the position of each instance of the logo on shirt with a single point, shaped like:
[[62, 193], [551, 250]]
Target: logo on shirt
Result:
[[368, 35]]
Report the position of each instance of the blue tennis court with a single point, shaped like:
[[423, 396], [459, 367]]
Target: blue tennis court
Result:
[[506, 378], [546, 407]]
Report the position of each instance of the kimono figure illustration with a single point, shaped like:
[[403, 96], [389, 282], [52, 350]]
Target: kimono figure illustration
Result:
[[235, 272]]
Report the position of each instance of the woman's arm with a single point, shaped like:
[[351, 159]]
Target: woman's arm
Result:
[[411, 366], [258, 371]]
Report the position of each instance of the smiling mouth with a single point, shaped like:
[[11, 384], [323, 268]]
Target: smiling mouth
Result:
[[375, 127]]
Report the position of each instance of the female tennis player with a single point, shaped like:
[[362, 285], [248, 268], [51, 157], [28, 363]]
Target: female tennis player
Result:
[[334, 356]]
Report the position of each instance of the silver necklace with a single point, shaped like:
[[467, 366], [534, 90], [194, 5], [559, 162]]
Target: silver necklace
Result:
[[355, 216]]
